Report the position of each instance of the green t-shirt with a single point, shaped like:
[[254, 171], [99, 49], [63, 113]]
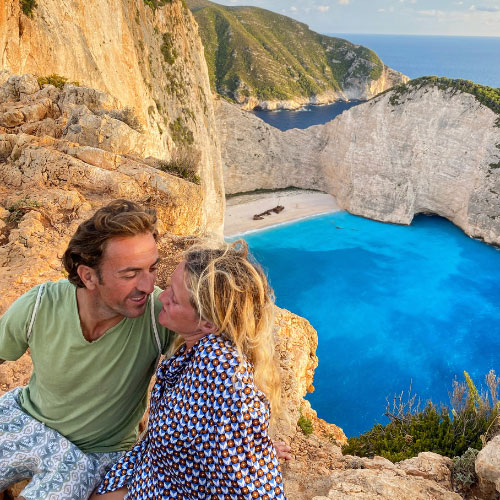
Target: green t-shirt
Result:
[[93, 393]]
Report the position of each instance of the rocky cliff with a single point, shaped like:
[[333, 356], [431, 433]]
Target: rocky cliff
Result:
[[429, 149], [149, 60], [258, 156]]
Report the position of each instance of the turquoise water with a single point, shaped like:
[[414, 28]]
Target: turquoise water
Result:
[[391, 304]]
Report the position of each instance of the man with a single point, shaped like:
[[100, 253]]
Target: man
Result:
[[94, 341]]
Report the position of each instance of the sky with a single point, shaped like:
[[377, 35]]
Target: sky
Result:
[[409, 17]]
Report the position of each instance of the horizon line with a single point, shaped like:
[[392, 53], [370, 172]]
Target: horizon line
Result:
[[410, 34]]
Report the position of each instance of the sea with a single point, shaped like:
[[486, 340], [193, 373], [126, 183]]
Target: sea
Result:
[[396, 308], [470, 58]]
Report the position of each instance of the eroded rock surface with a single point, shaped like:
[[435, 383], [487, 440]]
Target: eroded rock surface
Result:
[[258, 156], [488, 469], [149, 60], [432, 151], [384, 484]]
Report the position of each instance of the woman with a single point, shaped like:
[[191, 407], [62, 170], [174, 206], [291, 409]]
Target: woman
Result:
[[210, 407]]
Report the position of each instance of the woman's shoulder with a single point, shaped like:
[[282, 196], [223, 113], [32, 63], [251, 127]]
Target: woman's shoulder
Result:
[[217, 357]]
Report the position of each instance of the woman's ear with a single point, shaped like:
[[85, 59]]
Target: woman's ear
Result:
[[207, 327]]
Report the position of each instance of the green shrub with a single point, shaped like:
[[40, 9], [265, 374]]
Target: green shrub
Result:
[[126, 115], [54, 79], [167, 48], [472, 421], [464, 472], [184, 163], [180, 133], [19, 208], [305, 425], [154, 4], [28, 6]]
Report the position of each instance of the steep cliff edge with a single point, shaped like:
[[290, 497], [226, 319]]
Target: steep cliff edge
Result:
[[149, 60], [425, 148], [258, 156]]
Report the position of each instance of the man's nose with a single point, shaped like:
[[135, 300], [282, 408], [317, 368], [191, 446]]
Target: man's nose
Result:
[[147, 283]]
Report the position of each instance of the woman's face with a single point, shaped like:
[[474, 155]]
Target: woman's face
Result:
[[177, 313]]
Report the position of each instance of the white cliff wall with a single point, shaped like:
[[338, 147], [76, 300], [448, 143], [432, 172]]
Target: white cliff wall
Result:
[[258, 156], [431, 153]]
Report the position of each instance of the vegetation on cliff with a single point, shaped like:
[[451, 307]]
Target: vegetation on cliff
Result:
[[154, 4], [28, 7], [255, 52], [473, 419], [488, 96], [184, 163]]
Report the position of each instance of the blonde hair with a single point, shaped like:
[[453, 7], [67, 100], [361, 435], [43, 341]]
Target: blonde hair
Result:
[[229, 289]]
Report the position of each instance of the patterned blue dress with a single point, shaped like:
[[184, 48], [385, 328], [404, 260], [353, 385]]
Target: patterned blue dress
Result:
[[207, 433]]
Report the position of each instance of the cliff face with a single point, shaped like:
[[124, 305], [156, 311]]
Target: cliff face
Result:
[[148, 60], [258, 156], [433, 152], [430, 150]]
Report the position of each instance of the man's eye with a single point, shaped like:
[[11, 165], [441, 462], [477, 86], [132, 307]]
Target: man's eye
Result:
[[128, 276]]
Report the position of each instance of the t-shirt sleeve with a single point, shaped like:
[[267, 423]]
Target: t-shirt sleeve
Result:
[[243, 449], [14, 326], [166, 336]]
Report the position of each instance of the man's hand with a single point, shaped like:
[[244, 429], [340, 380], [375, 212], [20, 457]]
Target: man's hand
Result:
[[282, 450]]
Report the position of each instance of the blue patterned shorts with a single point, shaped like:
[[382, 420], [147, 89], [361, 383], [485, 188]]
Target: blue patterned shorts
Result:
[[57, 468]]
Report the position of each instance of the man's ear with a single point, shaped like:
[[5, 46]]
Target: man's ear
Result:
[[88, 275], [207, 326]]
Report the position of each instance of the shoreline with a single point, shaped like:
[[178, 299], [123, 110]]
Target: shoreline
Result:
[[298, 205]]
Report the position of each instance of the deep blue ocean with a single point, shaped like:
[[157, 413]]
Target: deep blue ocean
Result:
[[471, 58], [392, 305]]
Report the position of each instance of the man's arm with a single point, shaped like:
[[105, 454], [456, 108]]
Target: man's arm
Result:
[[14, 324]]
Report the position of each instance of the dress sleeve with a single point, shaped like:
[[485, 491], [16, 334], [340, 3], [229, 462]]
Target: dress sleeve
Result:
[[242, 450], [14, 325]]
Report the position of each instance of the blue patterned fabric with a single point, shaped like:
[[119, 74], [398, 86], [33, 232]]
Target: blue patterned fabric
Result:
[[207, 433], [30, 450]]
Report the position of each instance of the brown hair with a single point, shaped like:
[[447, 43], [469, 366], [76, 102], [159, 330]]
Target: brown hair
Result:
[[118, 218], [229, 289]]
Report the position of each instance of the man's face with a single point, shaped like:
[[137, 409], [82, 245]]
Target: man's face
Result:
[[126, 275]]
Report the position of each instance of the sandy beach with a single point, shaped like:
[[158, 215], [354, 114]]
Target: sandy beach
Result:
[[297, 204]]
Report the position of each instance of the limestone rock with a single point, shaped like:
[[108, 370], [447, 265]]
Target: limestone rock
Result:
[[258, 156], [429, 466], [384, 484], [380, 160], [488, 469], [296, 344], [116, 52]]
